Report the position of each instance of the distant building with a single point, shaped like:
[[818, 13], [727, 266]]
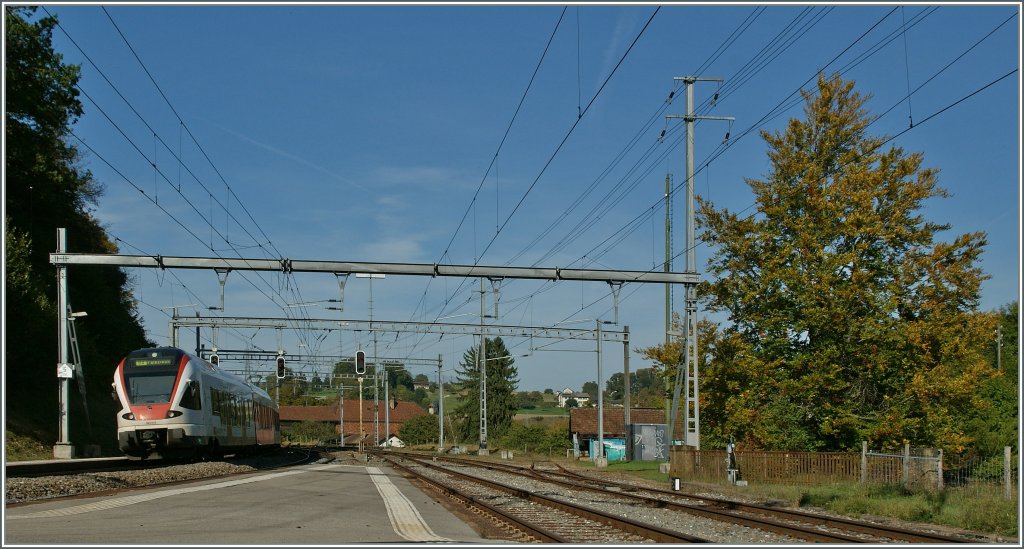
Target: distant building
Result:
[[402, 412], [565, 394], [583, 423]]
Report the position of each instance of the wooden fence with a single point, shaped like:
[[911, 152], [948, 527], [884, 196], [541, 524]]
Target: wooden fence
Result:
[[915, 468], [792, 467]]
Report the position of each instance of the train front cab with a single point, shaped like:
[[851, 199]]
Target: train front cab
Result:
[[149, 423]]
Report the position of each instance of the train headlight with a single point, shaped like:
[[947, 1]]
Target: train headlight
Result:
[[173, 413], [129, 415]]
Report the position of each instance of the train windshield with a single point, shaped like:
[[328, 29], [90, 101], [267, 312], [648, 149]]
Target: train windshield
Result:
[[150, 389], [149, 375]]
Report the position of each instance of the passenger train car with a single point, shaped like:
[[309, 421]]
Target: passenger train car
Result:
[[175, 404]]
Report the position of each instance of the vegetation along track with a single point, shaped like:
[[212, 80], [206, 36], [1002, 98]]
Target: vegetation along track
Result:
[[536, 517], [785, 522]]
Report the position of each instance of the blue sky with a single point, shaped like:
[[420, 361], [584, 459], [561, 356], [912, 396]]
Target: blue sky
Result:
[[361, 133]]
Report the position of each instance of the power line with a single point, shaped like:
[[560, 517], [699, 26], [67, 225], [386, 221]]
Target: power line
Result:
[[580, 225], [501, 144], [860, 59], [564, 140], [304, 313], [181, 163]]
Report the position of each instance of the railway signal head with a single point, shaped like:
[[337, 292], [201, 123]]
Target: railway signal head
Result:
[[214, 359], [360, 362], [280, 367]]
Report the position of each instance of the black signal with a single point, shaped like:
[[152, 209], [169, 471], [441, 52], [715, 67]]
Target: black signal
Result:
[[214, 359], [280, 367], [360, 362]]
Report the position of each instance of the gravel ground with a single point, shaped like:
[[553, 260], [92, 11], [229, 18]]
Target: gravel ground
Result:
[[710, 491], [24, 489], [715, 531]]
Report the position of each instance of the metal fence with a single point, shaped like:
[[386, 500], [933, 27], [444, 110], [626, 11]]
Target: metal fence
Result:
[[983, 474], [914, 468]]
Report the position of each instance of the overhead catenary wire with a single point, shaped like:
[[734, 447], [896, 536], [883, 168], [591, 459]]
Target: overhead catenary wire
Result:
[[906, 130], [564, 140], [296, 292], [742, 26], [158, 173], [501, 144], [850, 65], [184, 286]]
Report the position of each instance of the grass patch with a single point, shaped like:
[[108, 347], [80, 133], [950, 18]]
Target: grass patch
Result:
[[648, 470], [978, 509], [23, 448], [981, 509]]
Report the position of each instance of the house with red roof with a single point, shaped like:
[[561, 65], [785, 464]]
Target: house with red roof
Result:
[[349, 418]]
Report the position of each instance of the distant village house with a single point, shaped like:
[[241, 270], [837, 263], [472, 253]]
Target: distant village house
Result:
[[582, 399]]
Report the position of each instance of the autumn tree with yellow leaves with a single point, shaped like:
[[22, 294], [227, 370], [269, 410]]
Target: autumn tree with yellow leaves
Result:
[[848, 319]]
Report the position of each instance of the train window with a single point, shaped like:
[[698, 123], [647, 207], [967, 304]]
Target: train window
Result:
[[215, 396], [150, 389], [191, 397]]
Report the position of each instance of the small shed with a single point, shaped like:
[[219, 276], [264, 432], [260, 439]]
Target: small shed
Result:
[[583, 423]]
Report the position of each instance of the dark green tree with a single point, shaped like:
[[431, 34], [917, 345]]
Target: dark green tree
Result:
[[292, 390], [853, 321], [344, 367], [639, 380], [419, 430], [399, 376], [502, 381], [590, 387], [47, 188], [420, 396], [312, 431], [994, 425]]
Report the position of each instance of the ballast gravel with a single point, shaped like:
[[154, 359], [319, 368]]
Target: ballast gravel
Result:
[[24, 489]]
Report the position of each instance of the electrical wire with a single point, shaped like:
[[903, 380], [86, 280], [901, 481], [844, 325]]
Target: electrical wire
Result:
[[181, 163]]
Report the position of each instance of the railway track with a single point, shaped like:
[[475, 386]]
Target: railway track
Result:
[[534, 516], [793, 524]]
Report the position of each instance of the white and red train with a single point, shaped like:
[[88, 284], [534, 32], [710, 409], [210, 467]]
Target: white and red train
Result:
[[175, 404]]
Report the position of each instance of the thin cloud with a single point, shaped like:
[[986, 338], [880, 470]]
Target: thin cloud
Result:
[[292, 157]]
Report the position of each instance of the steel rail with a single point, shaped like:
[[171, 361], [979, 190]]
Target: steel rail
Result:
[[712, 514], [633, 527], [537, 532], [834, 522], [730, 508]]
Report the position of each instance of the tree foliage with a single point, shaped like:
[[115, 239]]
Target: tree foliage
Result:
[[419, 430], [641, 383], [657, 382], [995, 425], [307, 431], [850, 320], [502, 381], [536, 438], [46, 188]]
